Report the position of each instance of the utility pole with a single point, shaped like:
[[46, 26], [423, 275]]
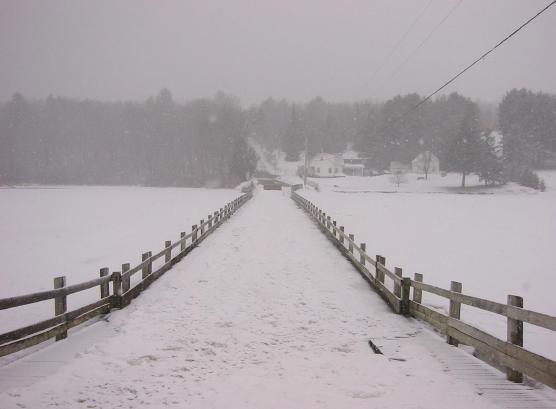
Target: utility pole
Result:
[[306, 161]]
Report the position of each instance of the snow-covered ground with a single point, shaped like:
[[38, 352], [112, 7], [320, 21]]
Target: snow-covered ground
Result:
[[496, 241], [264, 314], [74, 231]]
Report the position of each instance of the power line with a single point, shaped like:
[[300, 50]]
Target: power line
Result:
[[427, 38], [459, 74], [400, 41]]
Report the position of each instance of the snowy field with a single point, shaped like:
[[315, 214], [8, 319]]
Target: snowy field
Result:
[[74, 231], [495, 241]]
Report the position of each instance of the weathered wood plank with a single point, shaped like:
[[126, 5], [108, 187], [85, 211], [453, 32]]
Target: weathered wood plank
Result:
[[437, 325], [370, 260], [417, 294], [529, 358], [404, 302], [492, 354], [455, 309], [60, 304], [382, 268], [397, 284], [514, 336], [51, 333], [20, 300], [23, 332], [117, 284], [434, 317], [531, 317], [168, 251], [126, 283]]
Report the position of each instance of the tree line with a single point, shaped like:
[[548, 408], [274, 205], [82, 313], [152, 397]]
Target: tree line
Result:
[[204, 142], [456, 129], [154, 143]]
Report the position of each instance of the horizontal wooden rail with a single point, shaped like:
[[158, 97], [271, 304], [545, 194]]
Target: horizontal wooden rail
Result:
[[510, 353], [531, 317], [504, 353], [123, 292], [20, 300], [349, 247]]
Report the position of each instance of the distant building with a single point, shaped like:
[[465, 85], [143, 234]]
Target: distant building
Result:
[[353, 165], [325, 165], [399, 167], [425, 163]]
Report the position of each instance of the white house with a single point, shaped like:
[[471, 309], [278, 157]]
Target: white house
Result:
[[325, 165], [426, 162]]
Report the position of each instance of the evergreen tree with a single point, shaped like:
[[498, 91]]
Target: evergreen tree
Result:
[[294, 137], [490, 166], [465, 147]]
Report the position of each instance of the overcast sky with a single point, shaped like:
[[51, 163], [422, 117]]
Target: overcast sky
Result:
[[342, 50]]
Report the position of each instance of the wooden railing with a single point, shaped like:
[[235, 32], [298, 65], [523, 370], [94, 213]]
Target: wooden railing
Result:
[[122, 289], [399, 296]]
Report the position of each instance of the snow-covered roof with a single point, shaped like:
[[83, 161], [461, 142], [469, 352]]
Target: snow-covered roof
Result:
[[324, 157], [350, 154], [421, 156]]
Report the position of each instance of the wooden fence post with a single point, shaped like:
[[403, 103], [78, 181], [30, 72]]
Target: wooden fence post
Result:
[[215, 217], [398, 287], [117, 285], [417, 293], [350, 246], [209, 221], [379, 274], [341, 234], [145, 269], [182, 244], [168, 253], [126, 281], [328, 223], [363, 247], [455, 309], [201, 224], [406, 286], [60, 303], [334, 229], [323, 218], [515, 336], [105, 288], [193, 234]]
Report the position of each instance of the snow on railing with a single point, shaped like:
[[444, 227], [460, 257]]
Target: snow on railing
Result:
[[122, 289], [495, 351]]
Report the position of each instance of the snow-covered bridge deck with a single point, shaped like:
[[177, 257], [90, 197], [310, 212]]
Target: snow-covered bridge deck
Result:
[[265, 314]]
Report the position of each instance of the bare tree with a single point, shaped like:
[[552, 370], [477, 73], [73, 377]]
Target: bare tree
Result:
[[427, 163], [398, 177]]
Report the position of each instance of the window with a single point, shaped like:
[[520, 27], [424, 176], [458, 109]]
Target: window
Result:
[[329, 170], [318, 170]]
